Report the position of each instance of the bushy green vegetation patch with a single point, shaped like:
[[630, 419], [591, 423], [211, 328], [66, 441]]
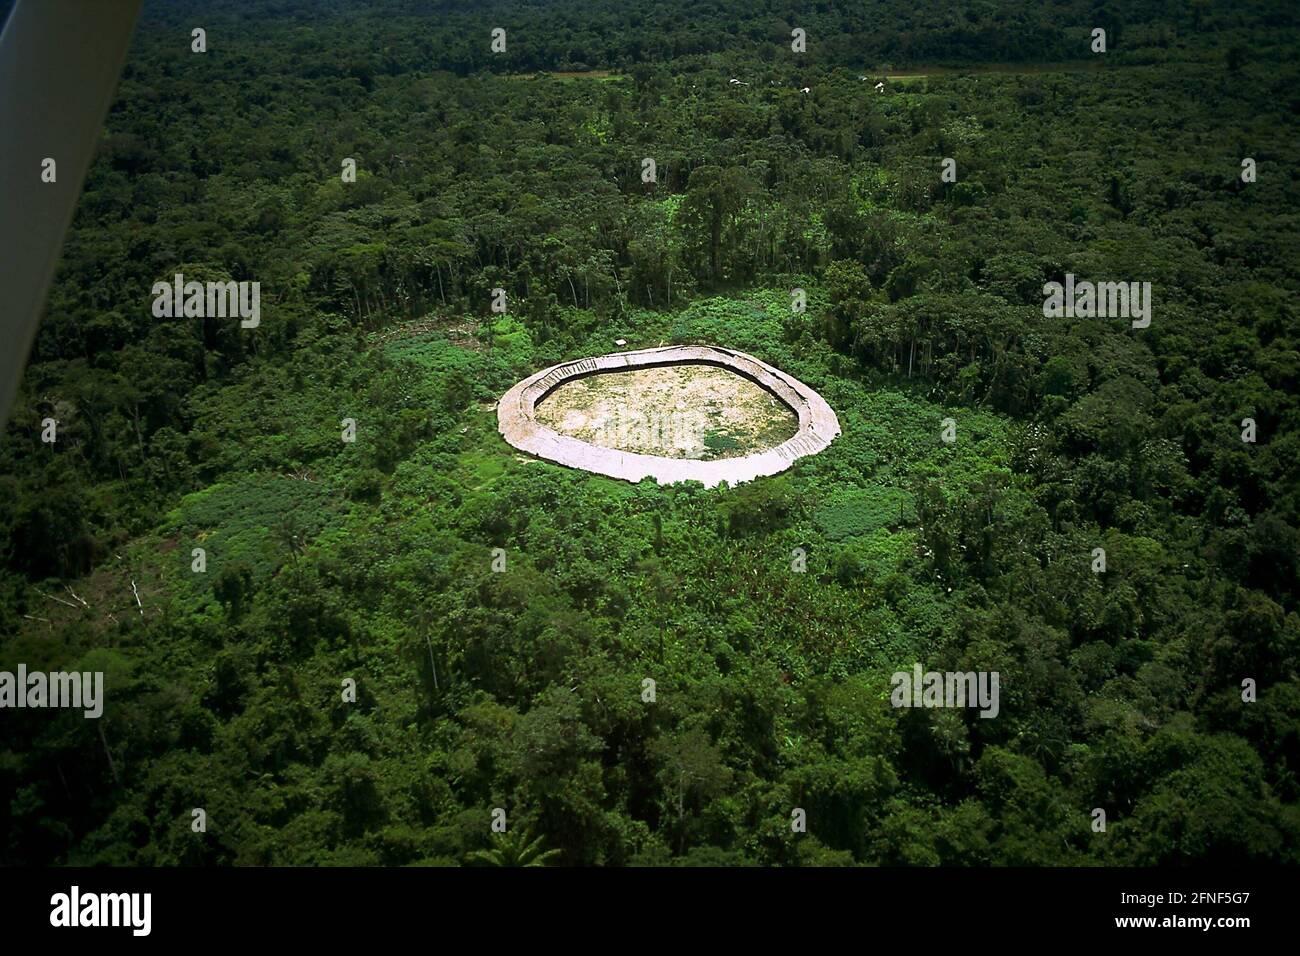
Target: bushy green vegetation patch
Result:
[[256, 524]]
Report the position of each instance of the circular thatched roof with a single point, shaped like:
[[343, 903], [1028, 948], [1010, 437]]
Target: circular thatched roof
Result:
[[517, 422]]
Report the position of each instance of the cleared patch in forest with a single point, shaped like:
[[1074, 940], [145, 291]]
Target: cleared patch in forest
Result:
[[679, 411]]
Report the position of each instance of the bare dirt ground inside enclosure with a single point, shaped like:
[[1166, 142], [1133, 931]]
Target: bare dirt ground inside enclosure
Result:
[[677, 411]]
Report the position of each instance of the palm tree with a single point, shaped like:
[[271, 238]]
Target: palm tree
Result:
[[289, 532], [514, 849]]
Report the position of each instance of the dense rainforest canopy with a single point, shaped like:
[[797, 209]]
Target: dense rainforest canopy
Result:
[[525, 688]]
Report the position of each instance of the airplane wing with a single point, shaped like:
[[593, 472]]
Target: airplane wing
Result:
[[59, 64]]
